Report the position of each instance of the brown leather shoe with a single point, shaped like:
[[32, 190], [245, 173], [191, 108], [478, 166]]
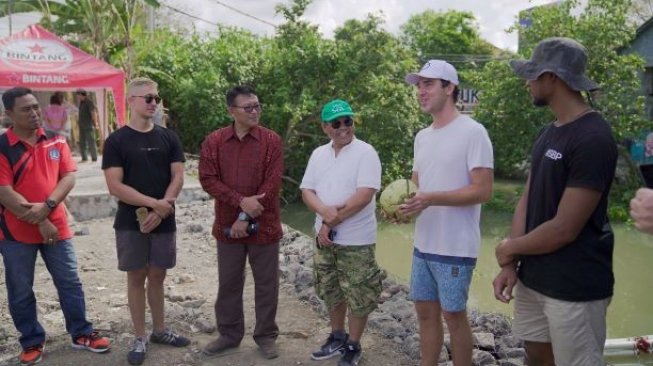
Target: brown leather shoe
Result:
[[269, 350], [218, 346]]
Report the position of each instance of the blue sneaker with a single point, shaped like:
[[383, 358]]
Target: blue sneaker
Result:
[[351, 356], [331, 348], [136, 355], [170, 338]]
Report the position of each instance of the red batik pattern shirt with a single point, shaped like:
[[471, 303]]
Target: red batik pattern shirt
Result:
[[231, 169]]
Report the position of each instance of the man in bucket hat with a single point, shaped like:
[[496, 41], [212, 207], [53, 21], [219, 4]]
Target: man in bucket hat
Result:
[[339, 185], [453, 169], [559, 253]]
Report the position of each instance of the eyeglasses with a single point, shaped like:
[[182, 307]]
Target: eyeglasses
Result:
[[250, 108], [348, 122], [149, 98]]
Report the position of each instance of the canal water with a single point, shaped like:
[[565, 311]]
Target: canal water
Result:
[[628, 314]]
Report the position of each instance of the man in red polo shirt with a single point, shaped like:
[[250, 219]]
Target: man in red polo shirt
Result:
[[240, 167], [36, 175]]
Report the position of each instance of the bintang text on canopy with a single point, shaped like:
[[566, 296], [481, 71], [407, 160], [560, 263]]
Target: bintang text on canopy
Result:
[[45, 79], [12, 55]]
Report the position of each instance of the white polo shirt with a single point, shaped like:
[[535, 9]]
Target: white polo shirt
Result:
[[335, 179], [444, 157]]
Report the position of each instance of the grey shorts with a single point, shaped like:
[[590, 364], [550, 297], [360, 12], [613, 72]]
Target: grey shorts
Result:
[[137, 250]]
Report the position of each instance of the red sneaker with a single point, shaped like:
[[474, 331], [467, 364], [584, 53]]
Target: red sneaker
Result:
[[32, 355], [92, 342]]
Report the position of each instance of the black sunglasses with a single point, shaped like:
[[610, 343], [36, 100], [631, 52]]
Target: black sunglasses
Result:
[[347, 122], [250, 108], [149, 98]]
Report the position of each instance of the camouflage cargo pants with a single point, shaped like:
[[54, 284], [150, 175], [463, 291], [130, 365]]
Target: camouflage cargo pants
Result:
[[348, 274]]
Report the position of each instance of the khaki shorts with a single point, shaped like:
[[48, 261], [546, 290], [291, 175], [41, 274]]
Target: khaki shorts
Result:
[[576, 330], [348, 274]]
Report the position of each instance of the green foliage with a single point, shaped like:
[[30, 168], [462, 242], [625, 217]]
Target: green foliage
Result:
[[502, 201], [298, 70], [505, 196], [101, 27], [602, 29], [294, 84], [295, 74], [364, 65], [506, 111], [372, 66], [194, 75], [452, 35], [8, 7], [505, 106]]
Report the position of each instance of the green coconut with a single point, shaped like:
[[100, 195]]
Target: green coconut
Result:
[[393, 196]]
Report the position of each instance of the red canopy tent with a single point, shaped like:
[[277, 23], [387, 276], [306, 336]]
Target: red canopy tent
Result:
[[38, 59]]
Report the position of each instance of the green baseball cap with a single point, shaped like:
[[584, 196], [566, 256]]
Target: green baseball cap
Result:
[[336, 109]]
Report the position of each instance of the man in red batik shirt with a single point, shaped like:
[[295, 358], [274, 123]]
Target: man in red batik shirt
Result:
[[240, 167]]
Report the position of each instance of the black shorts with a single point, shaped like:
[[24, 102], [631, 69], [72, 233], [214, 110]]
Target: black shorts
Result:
[[137, 250]]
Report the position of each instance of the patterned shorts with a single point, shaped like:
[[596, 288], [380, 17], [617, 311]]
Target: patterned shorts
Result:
[[441, 279], [348, 274]]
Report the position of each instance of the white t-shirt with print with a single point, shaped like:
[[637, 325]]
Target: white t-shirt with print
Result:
[[336, 178], [443, 160]]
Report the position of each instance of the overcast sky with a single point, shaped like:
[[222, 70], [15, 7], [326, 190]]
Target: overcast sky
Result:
[[493, 16]]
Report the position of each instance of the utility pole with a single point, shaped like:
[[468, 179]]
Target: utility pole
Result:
[[150, 18], [9, 10]]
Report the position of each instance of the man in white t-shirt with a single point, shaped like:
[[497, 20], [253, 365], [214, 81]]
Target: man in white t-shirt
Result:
[[339, 185], [453, 170]]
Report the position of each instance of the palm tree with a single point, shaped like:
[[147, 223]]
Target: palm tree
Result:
[[9, 7], [103, 27]]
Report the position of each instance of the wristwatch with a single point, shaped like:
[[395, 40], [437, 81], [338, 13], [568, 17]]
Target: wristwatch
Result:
[[51, 203], [242, 216]]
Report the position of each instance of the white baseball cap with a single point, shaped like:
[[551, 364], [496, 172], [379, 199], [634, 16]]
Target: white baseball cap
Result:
[[435, 69]]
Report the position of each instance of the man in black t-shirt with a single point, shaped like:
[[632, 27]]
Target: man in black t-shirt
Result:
[[559, 254], [87, 123], [144, 168]]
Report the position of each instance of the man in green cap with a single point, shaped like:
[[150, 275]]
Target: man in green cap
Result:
[[339, 185]]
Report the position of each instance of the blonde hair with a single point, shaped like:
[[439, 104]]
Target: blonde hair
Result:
[[139, 82]]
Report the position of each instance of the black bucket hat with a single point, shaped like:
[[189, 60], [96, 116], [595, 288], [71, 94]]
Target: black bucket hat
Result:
[[562, 56]]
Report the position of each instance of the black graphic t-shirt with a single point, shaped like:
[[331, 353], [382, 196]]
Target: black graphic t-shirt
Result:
[[145, 158], [581, 154]]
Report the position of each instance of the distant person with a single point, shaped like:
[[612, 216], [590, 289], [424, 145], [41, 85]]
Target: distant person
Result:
[[453, 171], [339, 185], [559, 253], [87, 125], [36, 175], [241, 167], [144, 167], [55, 116], [648, 152]]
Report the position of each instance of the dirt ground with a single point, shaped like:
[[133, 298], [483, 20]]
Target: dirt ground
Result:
[[191, 290]]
